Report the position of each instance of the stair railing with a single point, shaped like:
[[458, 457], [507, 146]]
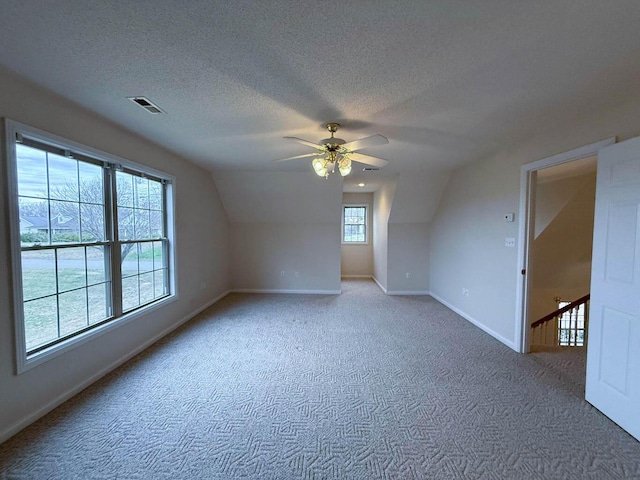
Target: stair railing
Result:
[[546, 331]]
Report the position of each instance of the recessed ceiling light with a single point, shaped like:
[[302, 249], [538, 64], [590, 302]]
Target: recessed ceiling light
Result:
[[361, 184]]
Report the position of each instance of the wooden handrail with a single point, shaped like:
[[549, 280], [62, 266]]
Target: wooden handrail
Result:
[[560, 311]]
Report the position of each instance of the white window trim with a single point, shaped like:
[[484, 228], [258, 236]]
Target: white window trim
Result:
[[366, 223], [24, 362]]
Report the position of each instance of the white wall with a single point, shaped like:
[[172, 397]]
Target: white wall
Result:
[[283, 221], [260, 252], [382, 202], [415, 201], [202, 255], [551, 198], [468, 230], [408, 253], [357, 260]]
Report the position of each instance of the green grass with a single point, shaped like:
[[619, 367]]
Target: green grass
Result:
[[78, 308]]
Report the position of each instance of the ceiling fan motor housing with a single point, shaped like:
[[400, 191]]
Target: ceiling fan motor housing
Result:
[[332, 144]]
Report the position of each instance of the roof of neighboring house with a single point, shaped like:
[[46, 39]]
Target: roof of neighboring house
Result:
[[59, 222]]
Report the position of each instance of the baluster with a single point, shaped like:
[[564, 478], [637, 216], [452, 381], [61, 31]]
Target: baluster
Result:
[[547, 334]]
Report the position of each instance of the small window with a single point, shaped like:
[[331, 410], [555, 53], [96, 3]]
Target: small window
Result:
[[571, 326], [90, 240], [354, 224]]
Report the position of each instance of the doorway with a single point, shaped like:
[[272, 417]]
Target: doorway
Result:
[[528, 302]]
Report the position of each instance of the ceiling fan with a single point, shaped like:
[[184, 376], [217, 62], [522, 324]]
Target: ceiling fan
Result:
[[331, 152]]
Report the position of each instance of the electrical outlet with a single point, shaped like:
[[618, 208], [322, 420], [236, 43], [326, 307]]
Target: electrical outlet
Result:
[[282, 273], [510, 242], [408, 274], [465, 292]]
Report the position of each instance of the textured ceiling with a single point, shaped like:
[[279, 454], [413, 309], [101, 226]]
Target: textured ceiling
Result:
[[448, 82]]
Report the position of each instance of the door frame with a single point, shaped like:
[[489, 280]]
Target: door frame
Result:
[[528, 175]]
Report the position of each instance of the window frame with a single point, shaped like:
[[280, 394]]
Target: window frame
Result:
[[15, 130], [366, 223]]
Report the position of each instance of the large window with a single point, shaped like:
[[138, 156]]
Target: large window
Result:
[[91, 240], [354, 224]]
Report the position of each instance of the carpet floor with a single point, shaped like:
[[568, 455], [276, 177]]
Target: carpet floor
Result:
[[352, 386]]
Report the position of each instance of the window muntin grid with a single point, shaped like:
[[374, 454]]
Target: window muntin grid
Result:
[[354, 224], [67, 248]]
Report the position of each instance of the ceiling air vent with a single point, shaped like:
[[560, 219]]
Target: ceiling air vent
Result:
[[146, 104], [370, 169]]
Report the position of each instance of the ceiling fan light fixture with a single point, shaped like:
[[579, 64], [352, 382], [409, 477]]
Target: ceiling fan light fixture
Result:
[[344, 165], [320, 166]]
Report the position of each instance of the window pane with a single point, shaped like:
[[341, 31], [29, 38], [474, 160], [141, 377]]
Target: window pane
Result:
[[158, 255], [159, 283], [63, 178], [38, 274], [155, 195], [73, 311], [40, 322], [124, 187], [141, 192], [156, 226], [145, 257], [91, 183], [32, 171], [65, 225], [92, 223], [142, 224], [96, 267], [126, 223], [34, 221], [129, 259], [71, 268], [130, 293], [146, 287], [97, 302]]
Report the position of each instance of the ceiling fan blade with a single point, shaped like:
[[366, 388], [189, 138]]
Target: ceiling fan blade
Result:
[[304, 155], [368, 159], [372, 141], [304, 142]]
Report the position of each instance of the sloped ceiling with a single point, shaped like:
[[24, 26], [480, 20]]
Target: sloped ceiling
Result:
[[448, 82], [417, 195]]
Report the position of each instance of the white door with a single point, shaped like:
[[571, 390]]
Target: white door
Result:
[[613, 355]]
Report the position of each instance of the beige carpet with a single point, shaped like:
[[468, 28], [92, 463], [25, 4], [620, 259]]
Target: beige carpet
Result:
[[353, 386]]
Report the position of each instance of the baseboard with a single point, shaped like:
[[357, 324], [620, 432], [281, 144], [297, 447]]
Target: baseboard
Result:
[[56, 402], [356, 276], [380, 285], [400, 292], [275, 290], [408, 292], [475, 322]]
